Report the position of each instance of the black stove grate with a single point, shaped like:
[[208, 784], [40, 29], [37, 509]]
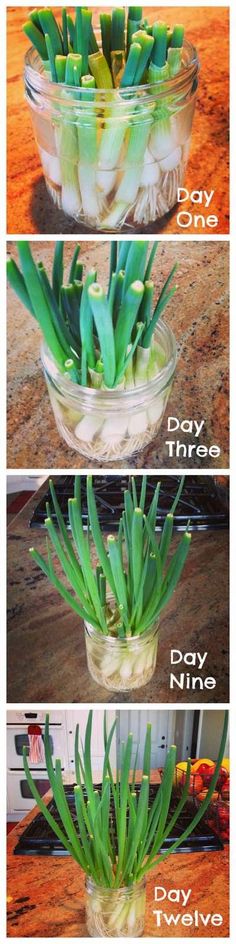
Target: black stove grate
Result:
[[202, 501], [39, 839]]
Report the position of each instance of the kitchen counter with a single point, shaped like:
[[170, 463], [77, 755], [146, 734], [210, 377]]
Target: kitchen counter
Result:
[[46, 895], [46, 650], [198, 316], [30, 209]]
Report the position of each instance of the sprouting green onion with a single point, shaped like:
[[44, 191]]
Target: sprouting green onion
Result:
[[116, 834], [118, 29], [142, 581], [105, 23], [174, 61], [159, 52], [177, 36], [146, 43], [106, 332], [118, 33], [49, 26], [36, 38], [131, 66], [118, 158], [100, 70]]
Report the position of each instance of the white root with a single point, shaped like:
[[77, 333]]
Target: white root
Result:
[[95, 194], [116, 917], [138, 423], [163, 138], [150, 205], [105, 180], [93, 201], [151, 173], [88, 427], [122, 670], [70, 200], [114, 429], [51, 166], [98, 450], [172, 161]]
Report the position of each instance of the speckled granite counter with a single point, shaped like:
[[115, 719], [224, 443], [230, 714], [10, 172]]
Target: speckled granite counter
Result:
[[30, 210], [40, 624], [46, 895], [198, 316]]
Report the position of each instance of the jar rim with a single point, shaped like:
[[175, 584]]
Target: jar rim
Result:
[[112, 397], [33, 70], [117, 643]]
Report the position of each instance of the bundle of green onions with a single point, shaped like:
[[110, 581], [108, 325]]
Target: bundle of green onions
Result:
[[117, 852], [121, 152], [133, 564], [124, 593], [131, 51], [98, 338]]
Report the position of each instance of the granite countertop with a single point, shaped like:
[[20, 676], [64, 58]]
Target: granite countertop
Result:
[[43, 632], [30, 209], [46, 896], [198, 316]]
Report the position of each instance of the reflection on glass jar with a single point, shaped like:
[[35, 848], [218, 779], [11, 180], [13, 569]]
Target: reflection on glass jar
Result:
[[115, 912], [109, 425], [118, 160]]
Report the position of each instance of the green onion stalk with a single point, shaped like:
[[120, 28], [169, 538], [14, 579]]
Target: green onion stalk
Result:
[[117, 835], [120, 138], [119, 585], [101, 337]]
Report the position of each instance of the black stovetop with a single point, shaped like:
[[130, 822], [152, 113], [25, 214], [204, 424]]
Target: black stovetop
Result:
[[202, 501], [39, 839]]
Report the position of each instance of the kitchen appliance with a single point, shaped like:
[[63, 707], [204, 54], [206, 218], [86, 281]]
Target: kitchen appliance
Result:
[[19, 799], [39, 839], [202, 501], [62, 734]]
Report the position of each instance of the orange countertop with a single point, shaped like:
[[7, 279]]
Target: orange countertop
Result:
[[46, 895]]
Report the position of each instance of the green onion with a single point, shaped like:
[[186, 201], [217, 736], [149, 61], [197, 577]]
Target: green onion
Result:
[[108, 334], [159, 52], [142, 582], [177, 36], [146, 43], [119, 157], [100, 70], [131, 66], [117, 845], [103, 322], [36, 38], [174, 61], [49, 26], [118, 29], [105, 23], [76, 37], [86, 22]]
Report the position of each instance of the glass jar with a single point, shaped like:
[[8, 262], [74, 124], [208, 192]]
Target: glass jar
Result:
[[121, 664], [114, 163], [108, 425], [115, 912]]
